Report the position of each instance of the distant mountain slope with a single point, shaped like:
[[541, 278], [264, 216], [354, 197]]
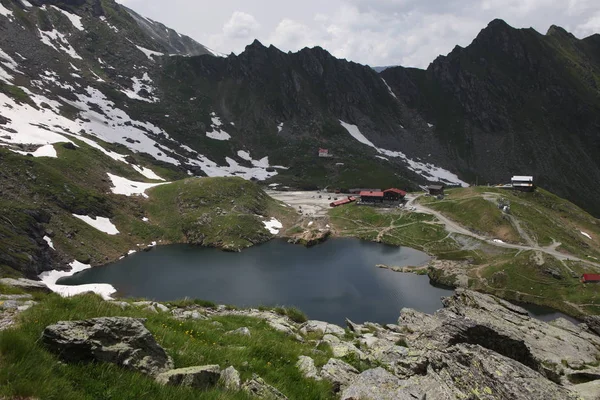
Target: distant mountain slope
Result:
[[169, 39], [513, 102], [516, 102]]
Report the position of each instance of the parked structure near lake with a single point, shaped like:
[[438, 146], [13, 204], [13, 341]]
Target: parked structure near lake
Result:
[[435, 190], [324, 153], [523, 183], [371, 196], [342, 202], [358, 191], [394, 194]]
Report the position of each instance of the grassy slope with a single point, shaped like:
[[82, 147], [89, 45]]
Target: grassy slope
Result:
[[76, 183], [544, 216], [508, 273], [218, 212], [269, 353]]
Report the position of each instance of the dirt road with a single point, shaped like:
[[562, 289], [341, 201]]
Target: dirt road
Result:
[[454, 227]]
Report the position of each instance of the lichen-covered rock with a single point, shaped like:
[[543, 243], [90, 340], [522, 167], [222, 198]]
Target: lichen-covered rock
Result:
[[341, 348], [306, 365], [321, 327], [257, 387], [230, 379], [476, 318], [118, 340], [467, 371], [240, 331], [339, 373], [201, 377], [378, 384]]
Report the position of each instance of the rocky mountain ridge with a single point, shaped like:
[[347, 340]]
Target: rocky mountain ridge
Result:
[[513, 102]]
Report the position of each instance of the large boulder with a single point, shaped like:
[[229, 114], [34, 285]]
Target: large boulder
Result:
[[475, 318], [202, 377], [466, 371], [378, 384], [118, 340], [339, 373]]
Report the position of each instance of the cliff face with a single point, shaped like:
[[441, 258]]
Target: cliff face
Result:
[[516, 102]]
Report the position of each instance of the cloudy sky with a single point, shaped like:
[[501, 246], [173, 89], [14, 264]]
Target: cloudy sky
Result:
[[374, 32]]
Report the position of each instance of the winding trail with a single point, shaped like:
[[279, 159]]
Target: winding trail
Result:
[[453, 227]]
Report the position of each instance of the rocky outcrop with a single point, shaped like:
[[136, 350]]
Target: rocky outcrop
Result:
[[379, 384], [307, 368], [202, 377], [230, 379], [25, 284], [258, 388], [10, 307], [478, 319], [471, 371], [118, 340], [321, 327], [339, 373]]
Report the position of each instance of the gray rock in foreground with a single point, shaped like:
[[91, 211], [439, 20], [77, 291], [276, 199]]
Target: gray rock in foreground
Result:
[[202, 377], [339, 373], [475, 318], [378, 384], [25, 284], [230, 379], [118, 340], [469, 371], [257, 387], [306, 365]]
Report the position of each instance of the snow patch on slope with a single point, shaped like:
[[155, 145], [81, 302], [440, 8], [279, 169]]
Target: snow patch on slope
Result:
[[149, 53], [58, 42], [5, 11], [51, 277], [587, 235], [139, 84], [217, 133], [100, 223], [43, 151], [75, 19], [426, 170], [130, 188], [389, 89], [273, 226]]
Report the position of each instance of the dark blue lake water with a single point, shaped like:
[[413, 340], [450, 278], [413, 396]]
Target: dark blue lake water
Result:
[[329, 282]]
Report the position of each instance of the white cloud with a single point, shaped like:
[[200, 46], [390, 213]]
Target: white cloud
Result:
[[241, 26], [375, 32]]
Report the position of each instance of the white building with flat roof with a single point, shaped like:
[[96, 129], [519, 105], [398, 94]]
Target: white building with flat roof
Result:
[[523, 182]]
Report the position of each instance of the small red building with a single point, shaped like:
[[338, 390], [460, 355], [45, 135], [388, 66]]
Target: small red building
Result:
[[324, 153], [394, 194], [590, 278], [371, 197], [341, 202]]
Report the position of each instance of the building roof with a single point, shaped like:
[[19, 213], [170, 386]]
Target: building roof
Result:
[[400, 192], [371, 194], [591, 277], [323, 150], [435, 187], [522, 178]]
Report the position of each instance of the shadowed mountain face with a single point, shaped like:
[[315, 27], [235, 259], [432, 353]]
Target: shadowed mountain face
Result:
[[516, 102], [513, 102]]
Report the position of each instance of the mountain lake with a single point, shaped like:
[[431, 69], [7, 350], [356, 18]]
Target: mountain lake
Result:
[[330, 282]]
